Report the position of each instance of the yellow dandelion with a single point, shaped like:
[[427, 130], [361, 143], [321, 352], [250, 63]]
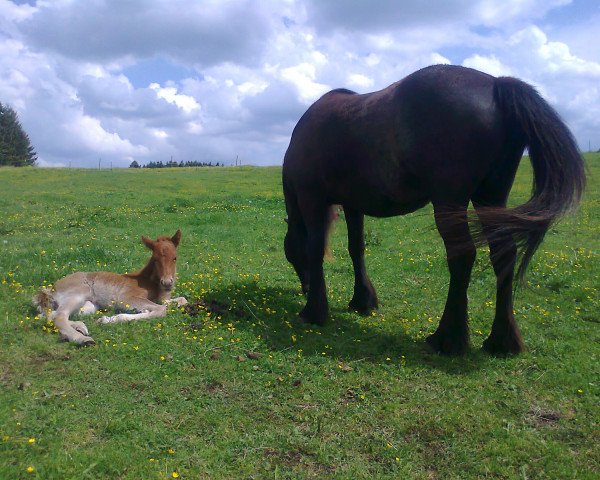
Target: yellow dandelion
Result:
[[175, 475], [31, 440], [30, 469]]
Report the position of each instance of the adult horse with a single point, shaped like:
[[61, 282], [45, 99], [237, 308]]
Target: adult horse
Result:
[[447, 135]]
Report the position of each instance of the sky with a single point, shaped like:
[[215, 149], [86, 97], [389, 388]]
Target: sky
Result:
[[112, 81]]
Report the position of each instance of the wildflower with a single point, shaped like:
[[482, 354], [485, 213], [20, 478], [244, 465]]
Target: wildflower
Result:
[[31, 440], [175, 475], [171, 451], [30, 469]]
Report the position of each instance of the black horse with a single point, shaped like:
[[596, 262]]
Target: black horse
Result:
[[447, 135]]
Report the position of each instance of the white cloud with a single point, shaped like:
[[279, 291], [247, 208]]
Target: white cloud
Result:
[[489, 64], [184, 102], [302, 76], [359, 80]]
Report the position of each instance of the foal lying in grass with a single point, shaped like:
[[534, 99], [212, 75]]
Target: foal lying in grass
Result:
[[146, 292]]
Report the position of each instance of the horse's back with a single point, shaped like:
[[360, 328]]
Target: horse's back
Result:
[[387, 151], [100, 288]]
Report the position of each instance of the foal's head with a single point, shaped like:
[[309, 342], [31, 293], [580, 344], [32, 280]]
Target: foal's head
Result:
[[164, 258]]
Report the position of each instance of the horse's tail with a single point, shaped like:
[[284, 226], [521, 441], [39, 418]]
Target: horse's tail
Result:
[[333, 214], [43, 300], [558, 169]]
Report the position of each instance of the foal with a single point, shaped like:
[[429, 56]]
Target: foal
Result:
[[145, 292]]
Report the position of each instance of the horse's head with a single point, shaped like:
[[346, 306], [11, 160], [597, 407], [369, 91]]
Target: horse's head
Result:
[[164, 256]]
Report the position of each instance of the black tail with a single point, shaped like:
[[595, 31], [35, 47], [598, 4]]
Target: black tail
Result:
[[558, 169]]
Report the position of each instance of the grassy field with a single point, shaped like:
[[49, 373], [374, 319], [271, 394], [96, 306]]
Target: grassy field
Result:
[[363, 397]]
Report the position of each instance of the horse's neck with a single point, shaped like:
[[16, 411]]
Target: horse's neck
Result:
[[147, 279]]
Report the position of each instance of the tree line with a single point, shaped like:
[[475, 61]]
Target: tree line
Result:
[[172, 164], [15, 147]]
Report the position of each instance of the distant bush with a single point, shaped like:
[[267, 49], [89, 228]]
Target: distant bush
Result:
[[172, 164]]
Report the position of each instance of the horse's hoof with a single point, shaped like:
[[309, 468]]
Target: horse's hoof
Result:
[[80, 327], [181, 301], [503, 346], [302, 318], [86, 342], [448, 344], [362, 308]]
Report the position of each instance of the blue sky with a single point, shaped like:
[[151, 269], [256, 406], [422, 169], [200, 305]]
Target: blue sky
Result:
[[213, 80]]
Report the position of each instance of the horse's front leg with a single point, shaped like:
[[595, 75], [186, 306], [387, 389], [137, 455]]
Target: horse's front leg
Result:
[[364, 299], [177, 301], [146, 308], [316, 217], [452, 334]]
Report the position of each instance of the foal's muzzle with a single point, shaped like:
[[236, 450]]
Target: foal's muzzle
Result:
[[167, 283]]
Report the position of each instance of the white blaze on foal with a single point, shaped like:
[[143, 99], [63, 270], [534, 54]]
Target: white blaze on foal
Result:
[[145, 292]]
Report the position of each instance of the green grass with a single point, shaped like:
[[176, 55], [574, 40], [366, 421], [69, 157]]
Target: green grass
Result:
[[359, 398]]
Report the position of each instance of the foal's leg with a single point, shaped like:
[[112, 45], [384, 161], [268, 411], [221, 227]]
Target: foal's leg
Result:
[[146, 308], [452, 334], [505, 337], [316, 216], [88, 308], [364, 299], [75, 332], [178, 301]]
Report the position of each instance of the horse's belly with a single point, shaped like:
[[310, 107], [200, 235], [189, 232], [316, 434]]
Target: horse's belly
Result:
[[377, 203]]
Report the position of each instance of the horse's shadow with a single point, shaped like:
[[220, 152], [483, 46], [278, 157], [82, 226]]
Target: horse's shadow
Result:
[[271, 315]]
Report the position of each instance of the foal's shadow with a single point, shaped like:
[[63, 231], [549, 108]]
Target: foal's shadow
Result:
[[271, 314]]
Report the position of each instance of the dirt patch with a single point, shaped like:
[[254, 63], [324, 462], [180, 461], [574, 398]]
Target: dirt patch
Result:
[[298, 458], [215, 388], [44, 357], [214, 307], [542, 416]]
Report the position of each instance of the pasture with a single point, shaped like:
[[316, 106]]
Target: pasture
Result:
[[234, 387]]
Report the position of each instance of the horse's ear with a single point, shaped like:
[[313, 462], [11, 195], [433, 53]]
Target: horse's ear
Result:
[[176, 238], [148, 242]]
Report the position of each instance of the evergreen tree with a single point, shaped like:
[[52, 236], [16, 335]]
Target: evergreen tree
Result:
[[134, 164], [15, 148]]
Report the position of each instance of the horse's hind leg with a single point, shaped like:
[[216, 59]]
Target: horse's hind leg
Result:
[[316, 216], [75, 332], [364, 299], [505, 337], [452, 334]]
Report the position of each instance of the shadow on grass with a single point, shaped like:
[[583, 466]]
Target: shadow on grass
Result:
[[272, 314]]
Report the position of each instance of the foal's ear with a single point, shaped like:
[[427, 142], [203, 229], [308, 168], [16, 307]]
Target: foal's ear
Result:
[[148, 242], [176, 238]]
